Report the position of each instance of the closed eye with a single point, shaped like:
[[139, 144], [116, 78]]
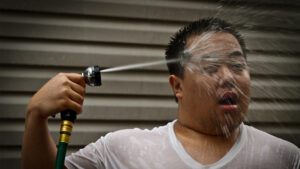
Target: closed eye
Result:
[[237, 67], [211, 68]]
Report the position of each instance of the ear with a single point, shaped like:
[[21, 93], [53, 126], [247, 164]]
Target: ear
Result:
[[176, 84]]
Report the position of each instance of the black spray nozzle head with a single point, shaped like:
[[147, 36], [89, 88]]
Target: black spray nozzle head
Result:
[[92, 76]]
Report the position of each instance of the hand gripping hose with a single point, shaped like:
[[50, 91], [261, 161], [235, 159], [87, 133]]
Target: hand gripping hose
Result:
[[91, 77]]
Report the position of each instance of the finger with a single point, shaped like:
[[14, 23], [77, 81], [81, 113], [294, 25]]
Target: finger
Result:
[[77, 88], [75, 97], [69, 104], [75, 106], [76, 78]]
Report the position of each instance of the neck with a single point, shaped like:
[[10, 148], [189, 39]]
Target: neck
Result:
[[203, 147], [189, 132]]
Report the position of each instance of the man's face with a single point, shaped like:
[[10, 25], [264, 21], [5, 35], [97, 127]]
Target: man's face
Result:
[[216, 83]]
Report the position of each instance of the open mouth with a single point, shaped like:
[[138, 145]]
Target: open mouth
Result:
[[229, 101]]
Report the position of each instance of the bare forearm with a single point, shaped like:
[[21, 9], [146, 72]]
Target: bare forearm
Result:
[[38, 150], [65, 91]]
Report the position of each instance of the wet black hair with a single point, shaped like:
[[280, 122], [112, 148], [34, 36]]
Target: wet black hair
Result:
[[177, 45]]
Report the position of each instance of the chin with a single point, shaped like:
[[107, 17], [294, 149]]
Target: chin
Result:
[[227, 129], [226, 123]]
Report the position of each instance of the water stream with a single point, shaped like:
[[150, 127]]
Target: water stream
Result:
[[138, 65]]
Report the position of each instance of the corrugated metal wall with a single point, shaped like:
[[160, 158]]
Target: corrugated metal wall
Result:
[[38, 39]]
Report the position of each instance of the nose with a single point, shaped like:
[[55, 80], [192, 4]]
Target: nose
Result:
[[225, 77]]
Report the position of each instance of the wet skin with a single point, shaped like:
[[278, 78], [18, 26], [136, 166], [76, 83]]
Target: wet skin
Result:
[[217, 72]]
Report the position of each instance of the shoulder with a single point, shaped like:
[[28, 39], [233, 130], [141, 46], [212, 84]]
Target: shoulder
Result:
[[262, 138], [161, 130], [271, 150], [134, 141], [136, 135]]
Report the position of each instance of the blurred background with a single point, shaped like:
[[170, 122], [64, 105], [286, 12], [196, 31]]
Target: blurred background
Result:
[[39, 39]]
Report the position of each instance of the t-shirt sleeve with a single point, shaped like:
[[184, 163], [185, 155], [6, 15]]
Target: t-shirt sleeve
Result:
[[271, 152], [292, 155], [90, 157]]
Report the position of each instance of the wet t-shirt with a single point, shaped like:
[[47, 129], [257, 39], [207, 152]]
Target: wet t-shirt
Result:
[[160, 149]]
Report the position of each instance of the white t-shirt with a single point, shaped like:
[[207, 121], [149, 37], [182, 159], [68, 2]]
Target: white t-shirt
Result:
[[160, 149]]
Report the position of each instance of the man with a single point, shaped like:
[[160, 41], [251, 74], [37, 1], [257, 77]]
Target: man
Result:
[[211, 83]]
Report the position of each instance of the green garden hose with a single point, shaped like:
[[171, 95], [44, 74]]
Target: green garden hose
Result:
[[68, 117]]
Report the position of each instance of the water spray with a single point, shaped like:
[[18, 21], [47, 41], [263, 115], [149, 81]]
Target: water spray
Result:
[[92, 77], [138, 65]]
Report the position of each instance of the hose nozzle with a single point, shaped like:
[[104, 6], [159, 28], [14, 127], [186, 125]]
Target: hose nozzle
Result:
[[92, 76]]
